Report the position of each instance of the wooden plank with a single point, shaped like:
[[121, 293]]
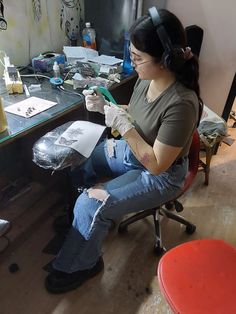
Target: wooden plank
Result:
[[13, 209], [31, 219]]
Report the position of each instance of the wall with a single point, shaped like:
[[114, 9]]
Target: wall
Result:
[[37, 26], [149, 3], [26, 38], [34, 26], [218, 54]]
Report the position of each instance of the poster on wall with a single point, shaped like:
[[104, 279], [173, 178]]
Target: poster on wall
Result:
[[38, 27], [37, 12], [3, 22], [71, 19]]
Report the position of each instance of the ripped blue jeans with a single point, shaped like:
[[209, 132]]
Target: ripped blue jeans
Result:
[[131, 189]]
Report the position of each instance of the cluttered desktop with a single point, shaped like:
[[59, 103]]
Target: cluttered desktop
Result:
[[62, 48], [52, 86]]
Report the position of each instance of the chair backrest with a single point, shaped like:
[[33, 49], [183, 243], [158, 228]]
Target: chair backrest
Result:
[[194, 36], [193, 157]]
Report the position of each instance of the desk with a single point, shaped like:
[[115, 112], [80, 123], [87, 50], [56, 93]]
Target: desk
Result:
[[16, 143], [66, 103], [19, 126]]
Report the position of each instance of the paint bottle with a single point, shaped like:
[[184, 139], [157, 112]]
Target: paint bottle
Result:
[[3, 119]]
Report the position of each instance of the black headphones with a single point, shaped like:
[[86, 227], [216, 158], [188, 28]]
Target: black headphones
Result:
[[172, 57]]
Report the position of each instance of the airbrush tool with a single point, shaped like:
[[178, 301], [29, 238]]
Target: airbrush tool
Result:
[[108, 96]]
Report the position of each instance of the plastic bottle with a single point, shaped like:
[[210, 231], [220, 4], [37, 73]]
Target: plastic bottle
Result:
[[56, 80], [89, 36], [56, 70], [3, 119], [127, 65]]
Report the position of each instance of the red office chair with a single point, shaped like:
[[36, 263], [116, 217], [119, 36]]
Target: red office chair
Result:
[[199, 277], [167, 208]]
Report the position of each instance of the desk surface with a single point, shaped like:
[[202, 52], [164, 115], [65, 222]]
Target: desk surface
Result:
[[66, 102], [18, 126]]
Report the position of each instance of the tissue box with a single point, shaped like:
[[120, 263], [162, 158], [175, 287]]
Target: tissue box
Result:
[[44, 62]]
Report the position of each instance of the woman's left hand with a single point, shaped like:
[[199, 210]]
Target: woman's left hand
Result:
[[117, 119]]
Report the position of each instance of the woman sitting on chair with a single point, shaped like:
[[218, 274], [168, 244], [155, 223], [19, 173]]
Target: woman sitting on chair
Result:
[[148, 165]]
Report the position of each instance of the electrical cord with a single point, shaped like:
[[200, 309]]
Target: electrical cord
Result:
[[35, 75], [68, 73], [2, 63], [61, 88]]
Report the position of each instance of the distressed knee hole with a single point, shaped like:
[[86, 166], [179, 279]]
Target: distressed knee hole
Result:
[[98, 193]]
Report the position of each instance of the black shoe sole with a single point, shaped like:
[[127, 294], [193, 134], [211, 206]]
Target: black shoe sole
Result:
[[69, 287]]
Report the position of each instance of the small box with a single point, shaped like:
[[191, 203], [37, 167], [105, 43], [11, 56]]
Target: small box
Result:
[[44, 62]]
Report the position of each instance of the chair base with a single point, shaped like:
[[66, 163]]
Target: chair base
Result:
[[156, 213], [167, 209]]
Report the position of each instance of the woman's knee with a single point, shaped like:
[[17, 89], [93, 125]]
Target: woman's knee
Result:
[[98, 193], [90, 200]]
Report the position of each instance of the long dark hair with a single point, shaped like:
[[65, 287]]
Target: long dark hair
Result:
[[144, 37]]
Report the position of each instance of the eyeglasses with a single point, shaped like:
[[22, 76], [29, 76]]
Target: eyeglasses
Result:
[[137, 61]]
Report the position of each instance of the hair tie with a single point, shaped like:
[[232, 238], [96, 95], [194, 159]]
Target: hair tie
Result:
[[188, 53]]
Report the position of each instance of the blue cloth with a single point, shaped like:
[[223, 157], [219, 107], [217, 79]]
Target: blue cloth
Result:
[[131, 189]]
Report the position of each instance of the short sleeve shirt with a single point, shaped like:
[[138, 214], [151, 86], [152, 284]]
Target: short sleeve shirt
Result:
[[171, 118]]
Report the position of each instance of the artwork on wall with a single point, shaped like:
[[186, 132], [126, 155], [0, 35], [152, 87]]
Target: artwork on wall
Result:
[[37, 12], [71, 18], [3, 22]]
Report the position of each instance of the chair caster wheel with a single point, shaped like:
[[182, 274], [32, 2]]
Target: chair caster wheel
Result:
[[178, 207], [190, 229], [169, 206], [158, 250], [122, 229]]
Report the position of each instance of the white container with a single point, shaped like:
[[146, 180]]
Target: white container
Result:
[[89, 36], [56, 70], [3, 119]]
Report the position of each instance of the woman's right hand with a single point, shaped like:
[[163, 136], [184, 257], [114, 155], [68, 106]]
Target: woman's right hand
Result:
[[94, 100]]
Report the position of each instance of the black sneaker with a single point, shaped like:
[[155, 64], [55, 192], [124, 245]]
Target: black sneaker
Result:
[[59, 282]]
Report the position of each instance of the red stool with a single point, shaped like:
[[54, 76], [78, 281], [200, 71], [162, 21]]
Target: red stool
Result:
[[199, 277]]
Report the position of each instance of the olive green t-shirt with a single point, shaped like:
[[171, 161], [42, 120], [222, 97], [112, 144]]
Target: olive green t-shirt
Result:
[[171, 118]]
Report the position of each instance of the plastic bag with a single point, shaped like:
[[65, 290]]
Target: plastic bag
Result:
[[212, 127], [48, 155], [211, 124]]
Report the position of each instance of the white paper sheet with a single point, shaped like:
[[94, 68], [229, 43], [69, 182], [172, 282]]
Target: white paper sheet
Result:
[[79, 53], [30, 107], [81, 136], [78, 77], [104, 59]]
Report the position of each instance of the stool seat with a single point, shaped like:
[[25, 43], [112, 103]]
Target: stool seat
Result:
[[199, 277]]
